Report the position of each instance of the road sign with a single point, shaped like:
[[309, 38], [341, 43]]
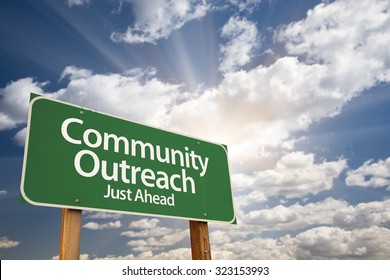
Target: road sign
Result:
[[82, 159]]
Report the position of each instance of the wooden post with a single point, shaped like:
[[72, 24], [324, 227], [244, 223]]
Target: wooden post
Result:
[[70, 234], [200, 244]]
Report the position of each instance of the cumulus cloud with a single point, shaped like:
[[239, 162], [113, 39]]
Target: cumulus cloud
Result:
[[158, 242], [246, 199], [158, 19], [242, 39], [296, 216], [5, 243], [147, 236], [135, 95], [370, 175], [20, 137], [144, 223], [97, 226], [256, 248], [327, 212], [344, 36], [336, 243], [364, 215], [295, 175], [74, 73], [323, 242], [255, 112], [356, 231], [219, 237], [130, 95], [14, 101]]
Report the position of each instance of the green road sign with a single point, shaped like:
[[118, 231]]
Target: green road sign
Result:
[[82, 159]]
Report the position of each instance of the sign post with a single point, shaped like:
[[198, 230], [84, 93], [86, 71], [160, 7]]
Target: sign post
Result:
[[70, 234], [200, 243]]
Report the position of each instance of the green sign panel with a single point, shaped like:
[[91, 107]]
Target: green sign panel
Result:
[[82, 159]]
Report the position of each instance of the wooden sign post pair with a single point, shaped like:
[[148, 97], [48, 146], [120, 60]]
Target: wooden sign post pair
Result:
[[71, 228]]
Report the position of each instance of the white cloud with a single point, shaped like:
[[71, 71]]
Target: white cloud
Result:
[[295, 216], [149, 237], [263, 107], [219, 237], [158, 242], [14, 100], [134, 95], [3, 193], [75, 73], [370, 175], [364, 215], [253, 249], [158, 19], [20, 137], [336, 243], [97, 226], [344, 36], [243, 39], [131, 95], [5, 243], [77, 2], [327, 212], [144, 223], [317, 243], [358, 232], [295, 175], [84, 256], [244, 200]]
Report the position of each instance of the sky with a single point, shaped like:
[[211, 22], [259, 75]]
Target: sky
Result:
[[299, 91]]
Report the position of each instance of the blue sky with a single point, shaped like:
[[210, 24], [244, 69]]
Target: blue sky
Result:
[[298, 90]]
